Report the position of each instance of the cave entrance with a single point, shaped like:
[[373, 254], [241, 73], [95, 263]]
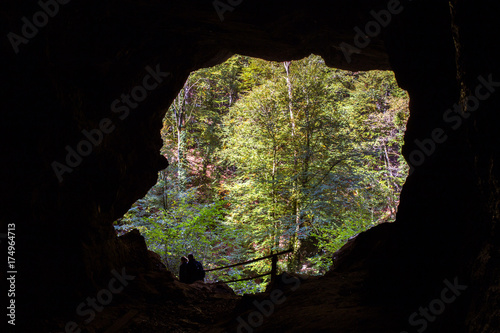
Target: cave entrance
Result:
[[269, 156]]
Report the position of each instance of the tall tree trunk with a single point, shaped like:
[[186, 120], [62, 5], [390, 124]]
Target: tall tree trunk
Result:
[[180, 115], [165, 190], [295, 242], [276, 227], [181, 158]]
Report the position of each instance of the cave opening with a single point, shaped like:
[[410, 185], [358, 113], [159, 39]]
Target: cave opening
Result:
[[273, 156], [62, 78]]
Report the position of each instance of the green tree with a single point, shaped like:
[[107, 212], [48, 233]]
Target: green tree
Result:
[[271, 156], [293, 143]]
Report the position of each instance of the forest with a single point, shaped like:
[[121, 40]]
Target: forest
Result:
[[268, 156]]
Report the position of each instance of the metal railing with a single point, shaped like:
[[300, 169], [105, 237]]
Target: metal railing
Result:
[[274, 267]]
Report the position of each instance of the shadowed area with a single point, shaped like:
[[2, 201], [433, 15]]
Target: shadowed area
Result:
[[64, 76]]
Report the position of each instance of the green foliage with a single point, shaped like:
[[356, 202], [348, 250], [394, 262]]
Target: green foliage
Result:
[[305, 145], [186, 227], [270, 156]]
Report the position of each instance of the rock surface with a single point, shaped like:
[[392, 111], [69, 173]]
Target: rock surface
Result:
[[65, 76]]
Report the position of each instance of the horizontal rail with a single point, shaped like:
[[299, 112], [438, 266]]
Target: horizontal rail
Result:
[[250, 261]]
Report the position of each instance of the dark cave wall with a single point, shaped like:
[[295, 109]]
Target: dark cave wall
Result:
[[67, 77], [447, 220], [442, 219], [476, 35], [64, 81]]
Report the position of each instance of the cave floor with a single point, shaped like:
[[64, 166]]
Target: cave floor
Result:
[[156, 303]]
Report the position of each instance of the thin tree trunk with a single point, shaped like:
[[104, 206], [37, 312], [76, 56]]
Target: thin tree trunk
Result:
[[165, 193], [276, 236], [295, 242], [290, 97], [180, 115]]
